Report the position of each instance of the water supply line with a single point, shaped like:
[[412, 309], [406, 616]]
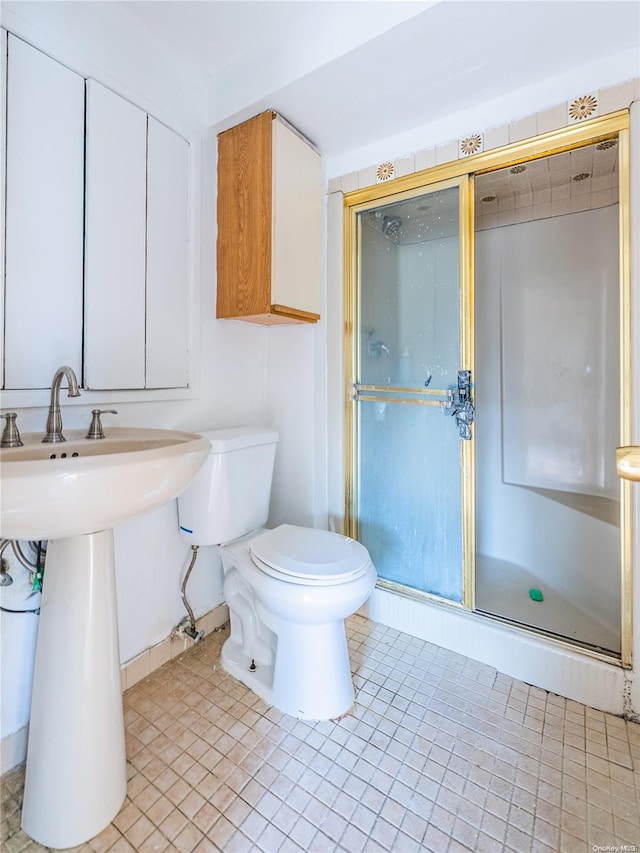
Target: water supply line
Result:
[[188, 624], [34, 569]]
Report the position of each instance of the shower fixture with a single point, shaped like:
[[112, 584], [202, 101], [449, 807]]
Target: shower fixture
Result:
[[391, 225], [375, 346]]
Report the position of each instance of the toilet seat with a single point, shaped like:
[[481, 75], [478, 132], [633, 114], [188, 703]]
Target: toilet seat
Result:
[[308, 556]]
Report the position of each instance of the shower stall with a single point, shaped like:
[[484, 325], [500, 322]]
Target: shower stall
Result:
[[487, 365]]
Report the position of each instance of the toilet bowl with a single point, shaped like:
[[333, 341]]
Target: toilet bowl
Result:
[[288, 589]]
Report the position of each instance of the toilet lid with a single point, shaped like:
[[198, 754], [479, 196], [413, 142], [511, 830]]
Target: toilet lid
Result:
[[305, 553]]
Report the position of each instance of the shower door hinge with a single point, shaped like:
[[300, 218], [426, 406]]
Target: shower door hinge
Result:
[[462, 407]]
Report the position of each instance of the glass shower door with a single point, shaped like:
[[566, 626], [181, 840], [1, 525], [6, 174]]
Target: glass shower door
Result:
[[411, 403]]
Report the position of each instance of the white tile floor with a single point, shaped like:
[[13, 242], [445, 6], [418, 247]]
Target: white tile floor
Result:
[[439, 754]]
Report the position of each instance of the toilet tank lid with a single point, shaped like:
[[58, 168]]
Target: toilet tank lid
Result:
[[235, 438]]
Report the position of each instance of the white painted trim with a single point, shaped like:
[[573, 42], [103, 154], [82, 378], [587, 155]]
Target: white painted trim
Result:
[[155, 656], [634, 180], [13, 749]]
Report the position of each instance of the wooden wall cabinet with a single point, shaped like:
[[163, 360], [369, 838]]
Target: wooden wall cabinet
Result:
[[269, 250]]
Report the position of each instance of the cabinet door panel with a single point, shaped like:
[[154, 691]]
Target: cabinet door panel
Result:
[[167, 257], [115, 241], [3, 160], [44, 220], [244, 218], [297, 222]]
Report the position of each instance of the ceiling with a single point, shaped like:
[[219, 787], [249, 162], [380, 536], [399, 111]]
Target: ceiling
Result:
[[215, 34], [351, 72]]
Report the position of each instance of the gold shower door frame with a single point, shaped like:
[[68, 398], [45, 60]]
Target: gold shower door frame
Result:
[[461, 173], [464, 183]]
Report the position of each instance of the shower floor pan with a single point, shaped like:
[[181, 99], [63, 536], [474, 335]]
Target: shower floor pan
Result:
[[502, 590]]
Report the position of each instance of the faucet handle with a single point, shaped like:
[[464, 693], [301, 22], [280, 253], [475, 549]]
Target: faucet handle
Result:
[[95, 430], [10, 434]]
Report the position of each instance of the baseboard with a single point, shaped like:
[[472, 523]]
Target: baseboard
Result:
[[13, 749], [150, 659]]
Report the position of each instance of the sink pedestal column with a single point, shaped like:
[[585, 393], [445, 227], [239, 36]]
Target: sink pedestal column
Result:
[[76, 765]]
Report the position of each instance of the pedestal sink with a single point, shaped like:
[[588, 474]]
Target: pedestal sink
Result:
[[71, 494]]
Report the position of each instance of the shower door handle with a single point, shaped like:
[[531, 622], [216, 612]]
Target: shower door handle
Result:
[[462, 407], [442, 398]]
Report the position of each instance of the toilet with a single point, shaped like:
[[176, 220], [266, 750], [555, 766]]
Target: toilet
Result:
[[288, 590]]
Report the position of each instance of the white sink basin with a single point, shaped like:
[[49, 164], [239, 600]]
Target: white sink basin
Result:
[[51, 491]]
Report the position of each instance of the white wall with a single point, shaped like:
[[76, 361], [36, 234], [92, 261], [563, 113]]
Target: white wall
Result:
[[295, 412], [96, 40], [520, 108]]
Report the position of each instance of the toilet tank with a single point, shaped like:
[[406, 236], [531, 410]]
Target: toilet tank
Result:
[[230, 494]]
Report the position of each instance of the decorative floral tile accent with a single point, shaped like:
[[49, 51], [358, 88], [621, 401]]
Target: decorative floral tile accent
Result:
[[608, 143], [384, 172], [584, 107], [519, 169], [472, 144]]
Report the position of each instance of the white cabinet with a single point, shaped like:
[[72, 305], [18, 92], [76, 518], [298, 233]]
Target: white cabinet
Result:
[[136, 266], [167, 258], [114, 311], [97, 233], [44, 219], [297, 220]]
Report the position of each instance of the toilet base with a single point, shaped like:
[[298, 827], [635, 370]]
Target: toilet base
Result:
[[311, 677], [237, 663]]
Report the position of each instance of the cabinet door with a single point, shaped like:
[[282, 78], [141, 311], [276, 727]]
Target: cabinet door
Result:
[[114, 241], [244, 219], [3, 160], [44, 218], [297, 222], [167, 258]]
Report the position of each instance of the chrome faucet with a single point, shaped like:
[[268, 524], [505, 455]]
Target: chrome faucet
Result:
[[54, 418]]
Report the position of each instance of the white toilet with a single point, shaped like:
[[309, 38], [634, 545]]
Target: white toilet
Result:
[[289, 589]]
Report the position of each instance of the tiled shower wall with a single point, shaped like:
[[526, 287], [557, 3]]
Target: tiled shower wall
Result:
[[583, 107]]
